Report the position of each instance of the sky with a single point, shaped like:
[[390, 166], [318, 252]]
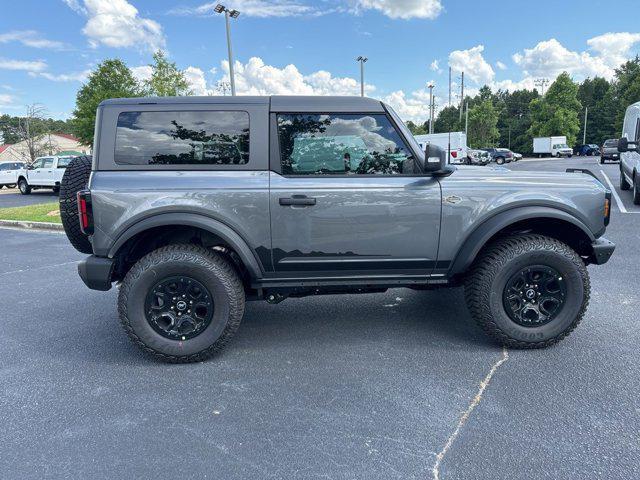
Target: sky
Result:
[[48, 47]]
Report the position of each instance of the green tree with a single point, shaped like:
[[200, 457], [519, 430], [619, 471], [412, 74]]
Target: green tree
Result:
[[166, 80], [591, 94], [514, 119], [557, 113], [448, 120], [415, 129], [627, 89], [483, 120], [110, 79]]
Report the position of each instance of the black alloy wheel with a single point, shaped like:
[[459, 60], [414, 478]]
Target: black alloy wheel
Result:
[[534, 296], [179, 307]]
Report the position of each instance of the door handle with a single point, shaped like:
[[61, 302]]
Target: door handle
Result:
[[297, 200]]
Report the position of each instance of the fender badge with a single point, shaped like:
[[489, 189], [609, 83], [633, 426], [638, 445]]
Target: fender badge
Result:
[[452, 199]]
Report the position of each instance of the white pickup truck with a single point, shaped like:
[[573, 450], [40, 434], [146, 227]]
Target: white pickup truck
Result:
[[9, 172], [44, 172]]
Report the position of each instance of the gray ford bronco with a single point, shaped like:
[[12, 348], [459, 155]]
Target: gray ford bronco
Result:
[[195, 205]]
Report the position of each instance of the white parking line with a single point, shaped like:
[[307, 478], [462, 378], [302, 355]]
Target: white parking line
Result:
[[621, 206]]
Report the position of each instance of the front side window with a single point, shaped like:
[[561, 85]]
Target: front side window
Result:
[[342, 144], [48, 163], [182, 138], [38, 163], [64, 162]]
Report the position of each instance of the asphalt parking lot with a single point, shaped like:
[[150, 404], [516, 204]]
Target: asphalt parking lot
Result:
[[13, 198], [357, 387]]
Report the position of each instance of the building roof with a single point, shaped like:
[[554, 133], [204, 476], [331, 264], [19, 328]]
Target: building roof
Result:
[[68, 136], [3, 148]]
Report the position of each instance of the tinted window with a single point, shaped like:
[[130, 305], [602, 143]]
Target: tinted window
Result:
[[342, 144], [38, 163], [182, 138], [610, 143], [47, 163], [5, 166]]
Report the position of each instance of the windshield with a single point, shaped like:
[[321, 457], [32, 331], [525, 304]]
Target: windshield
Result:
[[560, 145], [610, 143]]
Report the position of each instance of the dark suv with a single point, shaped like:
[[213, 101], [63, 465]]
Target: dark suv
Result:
[[500, 155], [609, 150], [198, 204]]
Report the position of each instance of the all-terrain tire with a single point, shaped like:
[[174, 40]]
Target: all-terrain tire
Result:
[[75, 178], [209, 268], [624, 185], [636, 189], [486, 280]]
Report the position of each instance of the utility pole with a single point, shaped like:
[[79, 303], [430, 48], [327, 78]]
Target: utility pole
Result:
[[541, 82], [430, 107], [449, 85], [466, 119], [461, 94], [362, 61], [233, 14], [584, 134]]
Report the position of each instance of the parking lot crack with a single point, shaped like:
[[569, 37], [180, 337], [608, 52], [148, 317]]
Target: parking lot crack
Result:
[[467, 413]]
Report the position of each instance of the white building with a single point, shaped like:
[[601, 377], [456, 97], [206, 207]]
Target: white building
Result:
[[55, 143]]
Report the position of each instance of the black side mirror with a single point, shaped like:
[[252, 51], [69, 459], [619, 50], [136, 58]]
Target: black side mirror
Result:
[[624, 145], [435, 159]]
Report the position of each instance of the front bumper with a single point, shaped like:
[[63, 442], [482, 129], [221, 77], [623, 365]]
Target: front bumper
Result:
[[602, 251], [96, 272]]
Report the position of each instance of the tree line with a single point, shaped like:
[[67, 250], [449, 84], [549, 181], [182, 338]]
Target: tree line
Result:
[[512, 119]]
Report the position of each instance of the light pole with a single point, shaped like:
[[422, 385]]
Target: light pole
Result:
[[541, 82], [233, 14], [362, 61], [430, 107], [584, 133]]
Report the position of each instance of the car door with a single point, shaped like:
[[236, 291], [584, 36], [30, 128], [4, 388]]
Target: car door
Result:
[[5, 173], [347, 197], [35, 172], [631, 130], [47, 176]]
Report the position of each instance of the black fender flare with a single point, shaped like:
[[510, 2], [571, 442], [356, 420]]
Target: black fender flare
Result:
[[230, 236], [479, 237]]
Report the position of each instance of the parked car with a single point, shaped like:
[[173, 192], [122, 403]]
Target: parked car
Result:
[[588, 150], [609, 150], [629, 148], [477, 157], [190, 240], [517, 156], [500, 155], [9, 173], [552, 146], [44, 172]]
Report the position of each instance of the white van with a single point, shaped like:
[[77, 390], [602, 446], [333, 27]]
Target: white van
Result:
[[629, 147], [456, 142]]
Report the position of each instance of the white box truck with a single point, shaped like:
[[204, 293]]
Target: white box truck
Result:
[[458, 150], [552, 147]]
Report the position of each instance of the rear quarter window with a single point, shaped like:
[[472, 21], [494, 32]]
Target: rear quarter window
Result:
[[182, 138]]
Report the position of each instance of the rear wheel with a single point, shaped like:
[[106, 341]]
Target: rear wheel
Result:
[[12, 185], [528, 291], [181, 303], [75, 178], [636, 189], [624, 185], [24, 187], [500, 160]]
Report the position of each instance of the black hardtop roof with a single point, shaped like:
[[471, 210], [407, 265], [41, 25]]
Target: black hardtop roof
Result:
[[278, 103]]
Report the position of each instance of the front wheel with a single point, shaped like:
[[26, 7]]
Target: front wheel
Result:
[[624, 185], [636, 190], [528, 291], [24, 187], [499, 160], [181, 303]]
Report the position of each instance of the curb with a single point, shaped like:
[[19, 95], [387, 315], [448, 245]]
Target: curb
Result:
[[27, 225]]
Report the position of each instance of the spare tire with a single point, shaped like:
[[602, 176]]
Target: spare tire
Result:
[[75, 178]]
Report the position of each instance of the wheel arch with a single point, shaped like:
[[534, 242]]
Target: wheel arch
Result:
[[176, 226], [544, 220]]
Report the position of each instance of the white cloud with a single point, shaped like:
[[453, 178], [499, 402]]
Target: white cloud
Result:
[[63, 77], [473, 64], [500, 65], [116, 23], [255, 8], [614, 48], [414, 107], [26, 65], [197, 82], [435, 66], [142, 72], [257, 78], [6, 100], [404, 9], [511, 85], [29, 38]]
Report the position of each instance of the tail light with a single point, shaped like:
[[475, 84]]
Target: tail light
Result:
[[454, 154], [85, 212]]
